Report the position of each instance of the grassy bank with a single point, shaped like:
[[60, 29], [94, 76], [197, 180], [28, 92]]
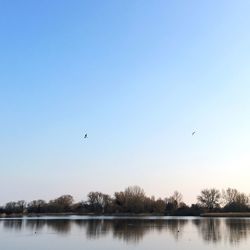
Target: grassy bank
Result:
[[239, 214]]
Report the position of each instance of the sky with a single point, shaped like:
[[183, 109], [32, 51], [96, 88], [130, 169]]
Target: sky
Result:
[[139, 77]]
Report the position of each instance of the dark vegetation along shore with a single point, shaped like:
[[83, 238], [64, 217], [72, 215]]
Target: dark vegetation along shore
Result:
[[133, 201]]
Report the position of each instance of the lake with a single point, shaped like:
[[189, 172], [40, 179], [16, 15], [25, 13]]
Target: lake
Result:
[[84, 232]]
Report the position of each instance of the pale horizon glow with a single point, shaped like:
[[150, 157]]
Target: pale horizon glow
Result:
[[138, 77]]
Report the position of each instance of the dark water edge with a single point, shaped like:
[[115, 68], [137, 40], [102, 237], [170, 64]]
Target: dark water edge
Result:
[[76, 214], [212, 215]]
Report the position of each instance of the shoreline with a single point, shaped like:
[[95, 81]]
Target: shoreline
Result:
[[204, 215]]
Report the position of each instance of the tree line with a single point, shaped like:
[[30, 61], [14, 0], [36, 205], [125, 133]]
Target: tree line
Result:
[[133, 200]]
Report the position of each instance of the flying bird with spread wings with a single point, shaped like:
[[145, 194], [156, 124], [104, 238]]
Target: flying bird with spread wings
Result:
[[85, 136]]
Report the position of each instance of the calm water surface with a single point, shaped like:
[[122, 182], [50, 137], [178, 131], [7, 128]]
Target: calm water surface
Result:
[[83, 232]]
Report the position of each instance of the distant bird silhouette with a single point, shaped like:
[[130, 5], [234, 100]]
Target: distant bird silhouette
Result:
[[85, 136], [193, 132]]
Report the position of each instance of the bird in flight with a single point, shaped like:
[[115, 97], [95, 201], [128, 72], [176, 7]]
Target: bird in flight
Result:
[[85, 136], [193, 132]]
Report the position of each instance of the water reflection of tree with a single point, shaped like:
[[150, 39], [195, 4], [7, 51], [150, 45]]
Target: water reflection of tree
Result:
[[35, 225], [176, 226], [95, 228], [237, 230], [13, 224], [132, 231], [59, 226], [128, 230], [230, 230], [209, 229]]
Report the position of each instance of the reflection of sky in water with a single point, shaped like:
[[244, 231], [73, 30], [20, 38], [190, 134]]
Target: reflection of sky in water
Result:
[[108, 233]]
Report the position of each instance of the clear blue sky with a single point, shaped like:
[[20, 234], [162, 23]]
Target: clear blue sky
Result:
[[139, 77]]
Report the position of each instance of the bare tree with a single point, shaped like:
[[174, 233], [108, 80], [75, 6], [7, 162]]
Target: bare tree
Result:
[[61, 204], [230, 195], [159, 206], [15, 207], [131, 200], [209, 198], [174, 201], [177, 198], [135, 197], [99, 202], [21, 205], [37, 206], [234, 200]]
